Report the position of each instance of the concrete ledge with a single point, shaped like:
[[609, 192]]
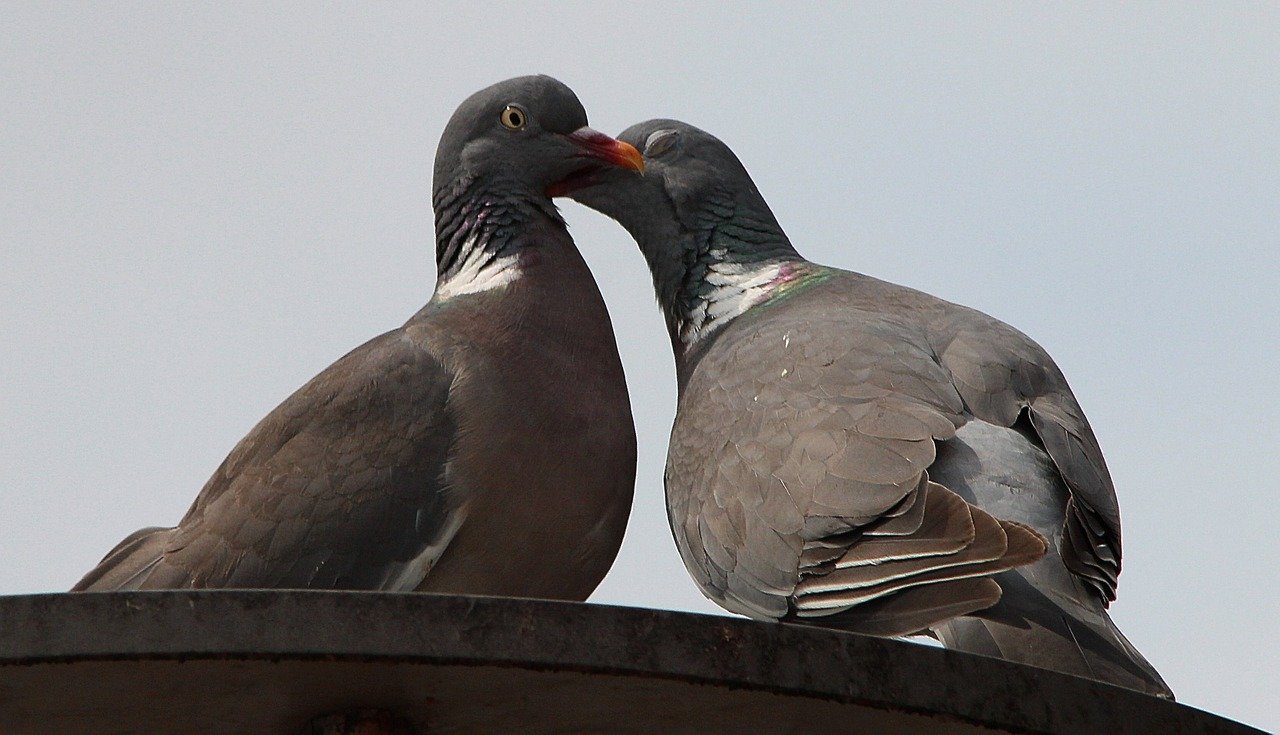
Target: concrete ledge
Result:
[[268, 661]]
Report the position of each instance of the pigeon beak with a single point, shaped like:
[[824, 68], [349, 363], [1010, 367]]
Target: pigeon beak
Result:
[[598, 145], [601, 148]]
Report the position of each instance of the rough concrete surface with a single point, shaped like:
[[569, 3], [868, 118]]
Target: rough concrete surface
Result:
[[248, 662]]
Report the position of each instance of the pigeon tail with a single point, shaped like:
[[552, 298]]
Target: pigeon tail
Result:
[[122, 567], [1048, 616], [1028, 627]]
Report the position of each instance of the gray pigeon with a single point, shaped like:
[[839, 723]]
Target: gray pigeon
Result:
[[484, 447], [855, 454]]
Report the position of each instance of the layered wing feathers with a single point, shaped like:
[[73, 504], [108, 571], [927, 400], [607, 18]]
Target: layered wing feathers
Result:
[[341, 486], [1002, 375], [797, 477]]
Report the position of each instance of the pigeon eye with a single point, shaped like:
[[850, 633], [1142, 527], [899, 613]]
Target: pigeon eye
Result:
[[660, 142], [513, 117]]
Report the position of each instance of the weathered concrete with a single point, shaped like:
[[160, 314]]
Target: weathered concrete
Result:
[[248, 662]]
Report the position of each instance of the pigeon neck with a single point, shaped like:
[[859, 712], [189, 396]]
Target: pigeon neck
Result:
[[727, 269], [478, 238]]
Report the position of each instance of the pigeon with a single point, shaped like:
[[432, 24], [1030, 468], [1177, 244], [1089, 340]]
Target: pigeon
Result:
[[860, 455], [484, 447]]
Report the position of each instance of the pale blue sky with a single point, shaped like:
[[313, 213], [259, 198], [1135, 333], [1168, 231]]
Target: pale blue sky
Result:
[[202, 206]]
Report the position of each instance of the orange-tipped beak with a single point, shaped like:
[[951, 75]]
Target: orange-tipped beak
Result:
[[613, 151], [601, 149]]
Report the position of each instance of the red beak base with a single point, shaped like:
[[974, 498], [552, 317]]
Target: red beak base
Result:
[[600, 147], [610, 150]]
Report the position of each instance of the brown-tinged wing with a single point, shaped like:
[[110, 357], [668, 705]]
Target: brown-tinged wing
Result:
[[341, 486]]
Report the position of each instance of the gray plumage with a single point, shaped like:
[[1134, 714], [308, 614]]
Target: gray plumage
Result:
[[856, 454], [485, 447]]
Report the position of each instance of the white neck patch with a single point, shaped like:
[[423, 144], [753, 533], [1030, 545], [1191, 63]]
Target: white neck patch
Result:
[[478, 273], [734, 289]]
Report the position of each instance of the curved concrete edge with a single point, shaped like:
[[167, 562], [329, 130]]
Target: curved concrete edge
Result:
[[546, 635]]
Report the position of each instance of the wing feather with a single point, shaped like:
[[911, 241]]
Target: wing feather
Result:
[[1003, 375], [797, 476], [341, 486]]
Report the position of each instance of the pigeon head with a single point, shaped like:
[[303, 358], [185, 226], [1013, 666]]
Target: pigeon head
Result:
[[526, 136], [692, 183], [708, 235], [505, 152]]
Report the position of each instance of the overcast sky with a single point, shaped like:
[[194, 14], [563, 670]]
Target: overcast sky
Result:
[[203, 206]]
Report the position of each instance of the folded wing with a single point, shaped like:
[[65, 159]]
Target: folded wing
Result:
[[341, 486]]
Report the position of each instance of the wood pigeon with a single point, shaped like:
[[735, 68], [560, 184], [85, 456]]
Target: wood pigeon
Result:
[[856, 454], [484, 447]]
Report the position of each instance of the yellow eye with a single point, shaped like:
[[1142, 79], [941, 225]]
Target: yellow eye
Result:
[[512, 117]]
